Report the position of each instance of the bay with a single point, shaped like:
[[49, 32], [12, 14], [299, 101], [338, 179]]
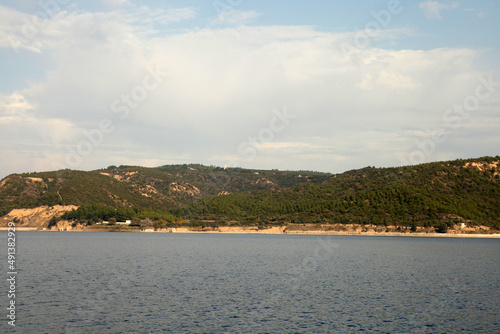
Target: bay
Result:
[[94, 282]]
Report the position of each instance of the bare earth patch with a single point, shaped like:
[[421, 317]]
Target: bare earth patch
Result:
[[35, 217]]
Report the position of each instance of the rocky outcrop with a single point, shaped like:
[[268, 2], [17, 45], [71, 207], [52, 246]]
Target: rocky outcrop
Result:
[[35, 217], [485, 166], [65, 225]]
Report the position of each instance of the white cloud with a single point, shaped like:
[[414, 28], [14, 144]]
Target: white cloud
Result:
[[432, 9], [29, 141], [235, 17], [15, 111], [115, 3], [21, 31], [14, 105], [148, 15], [222, 88]]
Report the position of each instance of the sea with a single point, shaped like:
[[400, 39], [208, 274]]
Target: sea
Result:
[[95, 282]]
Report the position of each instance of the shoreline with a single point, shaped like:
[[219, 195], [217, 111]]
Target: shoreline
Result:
[[278, 232], [388, 234]]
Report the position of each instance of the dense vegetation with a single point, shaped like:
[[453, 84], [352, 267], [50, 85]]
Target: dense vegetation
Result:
[[94, 213], [436, 194], [161, 188], [424, 195]]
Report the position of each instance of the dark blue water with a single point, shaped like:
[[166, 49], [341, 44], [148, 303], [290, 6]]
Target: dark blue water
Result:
[[214, 283]]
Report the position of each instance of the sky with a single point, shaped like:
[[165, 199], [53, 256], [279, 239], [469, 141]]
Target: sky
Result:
[[292, 85]]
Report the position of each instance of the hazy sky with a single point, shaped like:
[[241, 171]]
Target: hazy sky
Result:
[[316, 85]]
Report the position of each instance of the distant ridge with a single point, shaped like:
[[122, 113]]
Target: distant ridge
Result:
[[432, 194], [160, 188]]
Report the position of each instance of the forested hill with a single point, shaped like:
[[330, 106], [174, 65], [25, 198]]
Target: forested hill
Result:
[[160, 188], [424, 195]]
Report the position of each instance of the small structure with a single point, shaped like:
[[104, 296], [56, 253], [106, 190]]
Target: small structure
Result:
[[127, 222]]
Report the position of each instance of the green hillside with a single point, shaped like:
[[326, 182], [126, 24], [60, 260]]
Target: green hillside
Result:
[[424, 195], [161, 188], [436, 194]]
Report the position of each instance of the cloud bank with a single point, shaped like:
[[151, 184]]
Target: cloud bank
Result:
[[217, 90]]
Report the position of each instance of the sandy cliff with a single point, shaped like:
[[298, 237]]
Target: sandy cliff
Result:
[[35, 217]]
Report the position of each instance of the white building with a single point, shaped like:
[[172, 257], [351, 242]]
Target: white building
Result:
[[127, 222]]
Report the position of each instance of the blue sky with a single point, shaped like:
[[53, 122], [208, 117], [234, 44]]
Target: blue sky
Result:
[[323, 85]]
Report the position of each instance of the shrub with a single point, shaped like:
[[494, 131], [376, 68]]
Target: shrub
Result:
[[441, 228]]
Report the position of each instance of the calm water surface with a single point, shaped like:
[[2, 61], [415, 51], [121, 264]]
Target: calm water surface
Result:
[[213, 283]]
